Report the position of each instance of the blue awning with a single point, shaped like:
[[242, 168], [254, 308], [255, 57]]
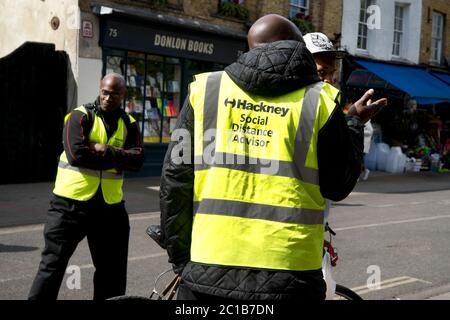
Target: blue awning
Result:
[[443, 76], [417, 82]]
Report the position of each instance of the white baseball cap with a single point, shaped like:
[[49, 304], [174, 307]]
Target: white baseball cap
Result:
[[318, 42]]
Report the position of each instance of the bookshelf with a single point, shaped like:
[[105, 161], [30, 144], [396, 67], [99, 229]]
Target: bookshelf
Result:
[[153, 91]]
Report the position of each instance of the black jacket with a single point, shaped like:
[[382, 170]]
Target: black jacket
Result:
[[77, 144], [271, 70]]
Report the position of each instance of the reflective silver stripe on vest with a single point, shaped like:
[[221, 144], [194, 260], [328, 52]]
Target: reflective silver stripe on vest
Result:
[[305, 131], [295, 169], [253, 165], [90, 172], [210, 110], [259, 211]]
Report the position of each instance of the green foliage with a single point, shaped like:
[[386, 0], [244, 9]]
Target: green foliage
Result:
[[304, 24], [233, 10]]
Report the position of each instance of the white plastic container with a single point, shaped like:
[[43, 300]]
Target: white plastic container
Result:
[[417, 165], [370, 159], [435, 162], [409, 164], [396, 161], [382, 155], [393, 159], [401, 165]]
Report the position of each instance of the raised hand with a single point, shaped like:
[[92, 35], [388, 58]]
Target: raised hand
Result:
[[365, 109]]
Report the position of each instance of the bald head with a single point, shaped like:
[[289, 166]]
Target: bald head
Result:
[[115, 78], [112, 91], [271, 28]]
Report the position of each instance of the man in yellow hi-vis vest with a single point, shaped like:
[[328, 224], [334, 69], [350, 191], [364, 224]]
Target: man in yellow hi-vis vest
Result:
[[245, 176], [100, 142]]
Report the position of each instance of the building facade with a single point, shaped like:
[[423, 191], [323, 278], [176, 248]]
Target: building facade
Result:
[[435, 33], [400, 48], [160, 45], [370, 33]]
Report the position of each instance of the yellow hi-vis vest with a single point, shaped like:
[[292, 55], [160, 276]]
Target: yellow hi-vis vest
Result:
[[81, 183], [257, 201]]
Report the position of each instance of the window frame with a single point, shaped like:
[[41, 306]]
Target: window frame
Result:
[[436, 39], [399, 28], [363, 31], [298, 8]]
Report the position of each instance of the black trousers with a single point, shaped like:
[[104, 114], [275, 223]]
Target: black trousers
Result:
[[107, 230]]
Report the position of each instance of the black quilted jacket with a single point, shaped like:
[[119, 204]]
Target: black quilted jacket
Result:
[[272, 70]]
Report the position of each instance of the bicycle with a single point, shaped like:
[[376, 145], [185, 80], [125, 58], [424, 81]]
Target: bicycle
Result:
[[341, 292], [169, 291]]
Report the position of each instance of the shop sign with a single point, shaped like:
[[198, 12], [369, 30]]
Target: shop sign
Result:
[[170, 41], [87, 29]]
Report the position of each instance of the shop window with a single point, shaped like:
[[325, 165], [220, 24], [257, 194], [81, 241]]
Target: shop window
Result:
[[153, 90], [154, 95], [156, 86], [135, 79], [436, 37], [154, 99], [171, 97], [115, 62]]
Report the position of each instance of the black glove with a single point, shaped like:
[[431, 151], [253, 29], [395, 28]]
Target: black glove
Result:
[[178, 269], [154, 231]]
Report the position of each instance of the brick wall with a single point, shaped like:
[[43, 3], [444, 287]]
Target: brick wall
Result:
[[441, 6], [205, 10], [327, 16], [280, 7]]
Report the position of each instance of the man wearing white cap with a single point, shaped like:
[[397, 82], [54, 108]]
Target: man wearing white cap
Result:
[[325, 57], [324, 54]]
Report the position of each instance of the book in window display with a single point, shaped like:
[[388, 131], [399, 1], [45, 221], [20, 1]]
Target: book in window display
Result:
[[173, 122], [154, 114], [175, 86], [170, 109], [138, 108], [166, 128], [156, 92], [148, 91], [151, 130], [132, 70], [159, 77], [159, 105], [130, 106], [151, 81], [131, 81], [147, 110]]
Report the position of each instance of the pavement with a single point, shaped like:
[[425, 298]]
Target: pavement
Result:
[[27, 204]]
